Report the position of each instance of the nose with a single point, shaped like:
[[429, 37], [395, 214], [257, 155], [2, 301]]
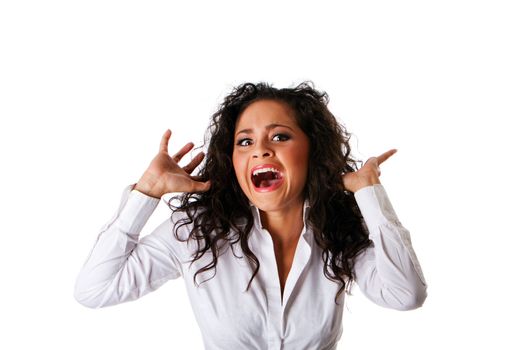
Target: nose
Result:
[[261, 150]]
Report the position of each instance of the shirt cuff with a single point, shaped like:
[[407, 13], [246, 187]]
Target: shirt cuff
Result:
[[136, 211], [375, 206]]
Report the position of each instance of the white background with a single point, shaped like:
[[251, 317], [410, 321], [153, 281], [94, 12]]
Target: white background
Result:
[[87, 89]]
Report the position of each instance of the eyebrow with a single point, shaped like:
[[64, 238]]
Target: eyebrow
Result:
[[268, 127]]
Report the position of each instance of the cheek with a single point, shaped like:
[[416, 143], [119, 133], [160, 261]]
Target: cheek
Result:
[[238, 167], [300, 162], [235, 160], [306, 158]]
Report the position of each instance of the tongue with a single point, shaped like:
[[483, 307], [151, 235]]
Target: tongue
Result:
[[267, 183]]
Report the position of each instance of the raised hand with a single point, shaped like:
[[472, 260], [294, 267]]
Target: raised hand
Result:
[[368, 174], [164, 175]]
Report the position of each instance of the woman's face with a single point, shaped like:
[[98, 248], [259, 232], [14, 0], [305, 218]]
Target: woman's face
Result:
[[270, 155]]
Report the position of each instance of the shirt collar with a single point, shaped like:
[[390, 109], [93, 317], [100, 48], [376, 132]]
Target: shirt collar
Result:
[[257, 215]]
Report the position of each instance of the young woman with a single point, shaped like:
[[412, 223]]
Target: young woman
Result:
[[269, 236]]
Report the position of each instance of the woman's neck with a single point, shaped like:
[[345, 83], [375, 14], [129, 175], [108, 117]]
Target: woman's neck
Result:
[[285, 226]]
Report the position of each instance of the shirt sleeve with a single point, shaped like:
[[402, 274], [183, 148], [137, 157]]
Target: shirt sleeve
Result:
[[388, 272], [120, 267]]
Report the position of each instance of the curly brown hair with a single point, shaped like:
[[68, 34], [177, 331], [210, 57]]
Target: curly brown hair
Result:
[[334, 217]]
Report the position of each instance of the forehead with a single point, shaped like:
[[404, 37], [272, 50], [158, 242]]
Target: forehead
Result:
[[264, 112]]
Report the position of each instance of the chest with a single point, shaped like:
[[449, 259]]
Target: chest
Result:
[[300, 314], [284, 257]]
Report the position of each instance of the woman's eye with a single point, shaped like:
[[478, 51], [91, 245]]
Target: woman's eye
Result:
[[280, 137], [277, 137], [243, 142]]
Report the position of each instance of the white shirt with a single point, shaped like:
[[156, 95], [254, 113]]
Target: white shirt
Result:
[[122, 268]]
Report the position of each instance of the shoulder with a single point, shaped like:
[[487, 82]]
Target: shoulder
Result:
[[183, 221]]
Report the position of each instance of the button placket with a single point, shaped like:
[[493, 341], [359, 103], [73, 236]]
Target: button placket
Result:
[[273, 292], [301, 258]]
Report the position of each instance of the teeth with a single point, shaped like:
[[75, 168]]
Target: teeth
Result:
[[264, 170]]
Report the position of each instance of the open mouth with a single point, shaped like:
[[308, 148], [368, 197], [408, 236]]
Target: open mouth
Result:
[[266, 178]]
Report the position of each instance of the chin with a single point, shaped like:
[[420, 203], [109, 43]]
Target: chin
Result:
[[265, 206], [269, 202]]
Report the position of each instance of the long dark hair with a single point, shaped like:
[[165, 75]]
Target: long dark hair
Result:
[[334, 217]]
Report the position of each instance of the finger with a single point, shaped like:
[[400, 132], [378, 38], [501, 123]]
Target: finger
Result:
[[197, 178], [178, 156], [201, 186], [385, 156], [194, 162], [164, 141]]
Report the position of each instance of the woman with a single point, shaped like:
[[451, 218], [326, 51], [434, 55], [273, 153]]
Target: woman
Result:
[[268, 235]]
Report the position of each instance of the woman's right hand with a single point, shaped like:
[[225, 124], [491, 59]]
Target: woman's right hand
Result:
[[164, 175]]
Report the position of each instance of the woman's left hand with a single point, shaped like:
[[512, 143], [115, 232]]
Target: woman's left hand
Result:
[[368, 174]]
